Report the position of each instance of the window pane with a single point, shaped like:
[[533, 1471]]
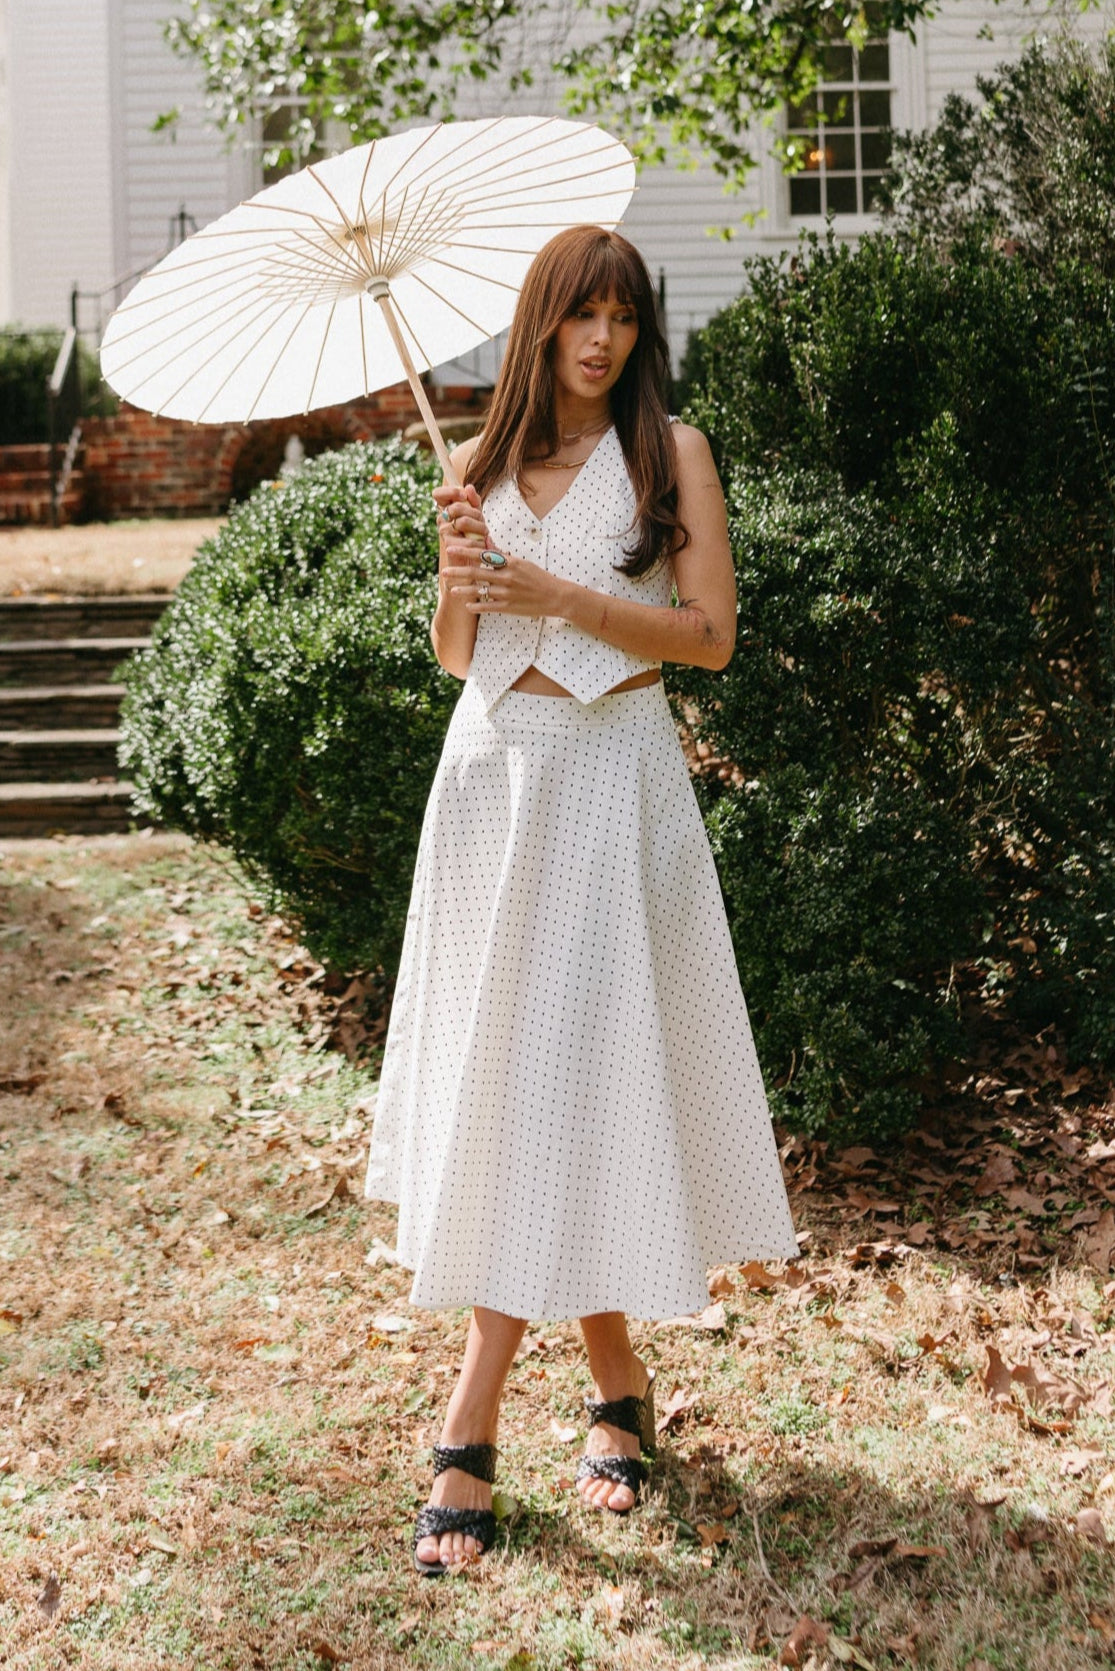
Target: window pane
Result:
[[874, 110], [840, 109], [876, 150], [837, 63], [805, 196], [870, 189], [874, 62], [802, 115], [841, 151], [841, 196]]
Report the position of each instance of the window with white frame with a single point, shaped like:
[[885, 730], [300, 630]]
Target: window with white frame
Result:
[[839, 138]]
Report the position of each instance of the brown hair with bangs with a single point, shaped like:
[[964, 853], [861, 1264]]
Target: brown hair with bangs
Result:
[[578, 264]]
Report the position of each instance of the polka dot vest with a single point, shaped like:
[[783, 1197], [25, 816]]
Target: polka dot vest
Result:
[[582, 539]]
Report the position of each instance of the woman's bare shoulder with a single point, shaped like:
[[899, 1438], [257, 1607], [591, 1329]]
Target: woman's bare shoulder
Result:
[[462, 455], [691, 445]]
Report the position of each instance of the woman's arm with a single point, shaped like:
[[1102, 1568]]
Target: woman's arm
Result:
[[700, 631], [453, 628]]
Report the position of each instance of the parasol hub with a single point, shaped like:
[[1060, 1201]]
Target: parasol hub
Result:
[[377, 288]]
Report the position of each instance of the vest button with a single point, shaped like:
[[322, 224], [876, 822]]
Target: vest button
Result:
[[534, 532]]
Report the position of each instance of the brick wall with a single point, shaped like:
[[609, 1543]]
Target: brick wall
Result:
[[139, 465]]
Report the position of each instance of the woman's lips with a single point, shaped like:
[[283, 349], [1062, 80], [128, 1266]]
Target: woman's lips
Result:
[[596, 369]]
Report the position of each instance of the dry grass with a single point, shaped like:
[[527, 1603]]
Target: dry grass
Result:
[[100, 557], [214, 1410]]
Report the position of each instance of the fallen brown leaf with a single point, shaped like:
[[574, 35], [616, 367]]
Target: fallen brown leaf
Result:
[[49, 1598], [1000, 1169], [978, 1517], [757, 1277], [326, 1651], [1075, 1464], [338, 1191], [807, 1633], [677, 1405], [871, 1546], [1099, 1247], [1089, 1524], [17, 1085], [710, 1535], [1105, 1626]]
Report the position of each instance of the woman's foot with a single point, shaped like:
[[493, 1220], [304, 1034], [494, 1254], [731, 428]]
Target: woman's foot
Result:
[[605, 1439], [456, 1490]]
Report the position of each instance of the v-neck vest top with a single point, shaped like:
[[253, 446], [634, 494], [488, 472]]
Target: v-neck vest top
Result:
[[581, 538]]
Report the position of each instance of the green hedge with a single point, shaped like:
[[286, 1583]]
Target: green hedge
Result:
[[26, 362], [915, 451], [290, 706]]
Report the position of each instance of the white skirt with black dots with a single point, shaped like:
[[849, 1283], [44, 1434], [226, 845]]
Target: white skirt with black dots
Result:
[[571, 1115]]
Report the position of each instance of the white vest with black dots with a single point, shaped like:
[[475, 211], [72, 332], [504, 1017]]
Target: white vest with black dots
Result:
[[582, 538]]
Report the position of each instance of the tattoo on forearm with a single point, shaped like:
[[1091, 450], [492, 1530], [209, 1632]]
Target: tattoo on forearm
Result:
[[708, 631]]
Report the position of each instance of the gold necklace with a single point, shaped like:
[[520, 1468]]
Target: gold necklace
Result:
[[577, 433], [576, 463]]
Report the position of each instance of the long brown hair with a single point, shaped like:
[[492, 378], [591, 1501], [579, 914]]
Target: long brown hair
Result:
[[583, 262]]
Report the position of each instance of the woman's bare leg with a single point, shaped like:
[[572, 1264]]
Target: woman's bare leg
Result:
[[472, 1418], [617, 1373]]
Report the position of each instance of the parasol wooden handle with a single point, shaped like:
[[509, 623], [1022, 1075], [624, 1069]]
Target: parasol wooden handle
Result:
[[379, 292]]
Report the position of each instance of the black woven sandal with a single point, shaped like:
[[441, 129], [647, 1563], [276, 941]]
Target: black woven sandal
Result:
[[435, 1518], [631, 1415]]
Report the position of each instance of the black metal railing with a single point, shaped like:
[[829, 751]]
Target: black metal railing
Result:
[[90, 309], [63, 410]]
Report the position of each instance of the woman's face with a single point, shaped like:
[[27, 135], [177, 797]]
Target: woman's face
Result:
[[592, 346]]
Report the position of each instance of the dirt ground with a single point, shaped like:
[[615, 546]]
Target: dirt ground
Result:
[[216, 1402], [100, 557]]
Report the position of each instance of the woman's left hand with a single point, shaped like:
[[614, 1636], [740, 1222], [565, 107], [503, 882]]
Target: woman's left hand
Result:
[[519, 588]]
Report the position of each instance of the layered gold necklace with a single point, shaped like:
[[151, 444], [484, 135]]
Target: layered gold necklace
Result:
[[567, 440]]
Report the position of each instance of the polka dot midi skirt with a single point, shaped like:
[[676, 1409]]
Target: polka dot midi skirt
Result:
[[571, 1115]]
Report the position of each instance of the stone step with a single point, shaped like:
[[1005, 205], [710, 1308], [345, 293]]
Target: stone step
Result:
[[30, 507], [58, 756], [81, 617], [45, 809], [64, 661], [59, 707]]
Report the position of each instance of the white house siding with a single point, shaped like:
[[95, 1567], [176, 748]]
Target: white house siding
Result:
[[969, 38], [88, 190], [157, 174], [60, 155], [5, 169]]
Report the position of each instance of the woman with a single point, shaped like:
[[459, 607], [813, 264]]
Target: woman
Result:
[[571, 1115]]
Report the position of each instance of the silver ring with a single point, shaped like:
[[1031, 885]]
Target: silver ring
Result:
[[493, 559], [482, 590]]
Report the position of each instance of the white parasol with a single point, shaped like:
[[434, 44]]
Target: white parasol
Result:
[[398, 255]]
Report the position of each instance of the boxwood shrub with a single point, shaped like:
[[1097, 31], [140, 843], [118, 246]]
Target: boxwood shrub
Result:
[[916, 453], [290, 707]]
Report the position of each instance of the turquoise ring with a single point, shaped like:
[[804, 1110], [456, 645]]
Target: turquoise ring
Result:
[[493, 559]]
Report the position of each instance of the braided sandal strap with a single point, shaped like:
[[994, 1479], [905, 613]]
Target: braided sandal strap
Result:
[[621, 1470], [434, 1520], [624, 1413], [477, 1460]]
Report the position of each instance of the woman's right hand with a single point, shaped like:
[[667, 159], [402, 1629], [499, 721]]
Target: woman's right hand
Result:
[[459, 516]]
